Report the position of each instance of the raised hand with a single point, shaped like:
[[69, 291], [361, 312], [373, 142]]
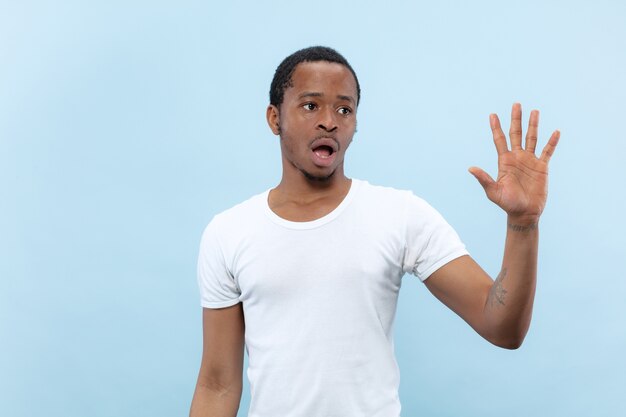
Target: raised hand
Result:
[[521, 188]]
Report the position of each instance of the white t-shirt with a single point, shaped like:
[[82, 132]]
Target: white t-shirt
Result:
[[320, 297]]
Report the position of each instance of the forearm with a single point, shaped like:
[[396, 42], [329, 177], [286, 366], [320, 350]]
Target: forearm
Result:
[[509, 304], [210, 401]]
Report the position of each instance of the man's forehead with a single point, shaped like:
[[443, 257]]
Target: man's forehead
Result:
[[322, 68], [308, 75]]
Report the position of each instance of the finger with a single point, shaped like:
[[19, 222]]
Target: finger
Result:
[[484, 179], [515, 131], [531, 134], [498, 135], [548, 150]]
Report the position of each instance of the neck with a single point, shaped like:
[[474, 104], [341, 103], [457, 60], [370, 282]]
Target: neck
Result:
[[299, 188], [308, 200]]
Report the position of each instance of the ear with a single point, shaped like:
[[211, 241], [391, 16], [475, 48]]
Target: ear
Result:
[[273, 118]]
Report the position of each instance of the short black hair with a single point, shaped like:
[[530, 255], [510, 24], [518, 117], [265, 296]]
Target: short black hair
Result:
[[284, 72]]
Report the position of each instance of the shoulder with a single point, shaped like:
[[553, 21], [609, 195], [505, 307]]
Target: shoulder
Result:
[[239, 215], [402, 207], [385, 196]]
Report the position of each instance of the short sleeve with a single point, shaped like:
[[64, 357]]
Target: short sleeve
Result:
[[217, 285], [430, 241]]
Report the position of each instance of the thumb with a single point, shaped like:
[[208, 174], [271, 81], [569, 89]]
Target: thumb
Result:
[[484, 179]]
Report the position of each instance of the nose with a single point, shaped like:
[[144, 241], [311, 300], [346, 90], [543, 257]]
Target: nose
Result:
[[327, 120]]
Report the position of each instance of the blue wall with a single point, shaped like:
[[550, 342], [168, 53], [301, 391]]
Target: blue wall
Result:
[[124, 126]]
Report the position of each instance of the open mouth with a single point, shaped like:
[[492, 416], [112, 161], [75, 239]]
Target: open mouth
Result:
[[323, 151]]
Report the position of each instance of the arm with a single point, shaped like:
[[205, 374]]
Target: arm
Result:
[[501, 310], [218, 390]]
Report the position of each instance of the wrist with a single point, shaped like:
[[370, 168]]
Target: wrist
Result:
[[522, 223]]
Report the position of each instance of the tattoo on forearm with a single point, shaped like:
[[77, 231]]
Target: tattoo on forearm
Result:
[[520, 228], [497, 291]]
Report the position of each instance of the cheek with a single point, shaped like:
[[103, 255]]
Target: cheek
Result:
[[292, 120], [288, 144]]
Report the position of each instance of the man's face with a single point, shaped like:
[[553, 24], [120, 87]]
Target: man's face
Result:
[[316, 120]]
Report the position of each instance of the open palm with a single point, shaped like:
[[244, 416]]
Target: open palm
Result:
[[521, 188]]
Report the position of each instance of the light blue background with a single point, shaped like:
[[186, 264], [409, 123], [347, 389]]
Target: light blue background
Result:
[[125, 126]]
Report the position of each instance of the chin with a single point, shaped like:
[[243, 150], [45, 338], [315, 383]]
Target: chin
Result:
[[318, 177]]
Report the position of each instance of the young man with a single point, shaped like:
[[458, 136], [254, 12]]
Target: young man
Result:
[[306, 275]]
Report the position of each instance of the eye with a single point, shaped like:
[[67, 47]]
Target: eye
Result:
[[309, 106], [344, 111]]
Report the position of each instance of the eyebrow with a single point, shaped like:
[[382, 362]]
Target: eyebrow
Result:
[[313, 94], [347, 98], [309, 94]]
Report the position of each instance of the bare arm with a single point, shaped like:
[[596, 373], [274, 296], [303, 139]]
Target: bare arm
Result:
[[218, 390], [501, 310]]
